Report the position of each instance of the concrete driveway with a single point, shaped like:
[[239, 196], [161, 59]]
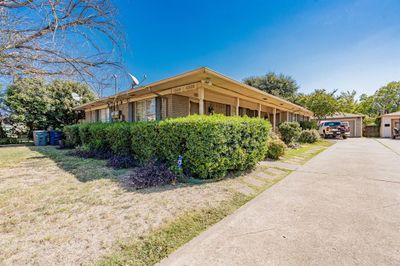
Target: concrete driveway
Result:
[[341, 208]]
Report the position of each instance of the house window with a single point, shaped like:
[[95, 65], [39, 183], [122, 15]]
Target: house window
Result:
[[145, 110]]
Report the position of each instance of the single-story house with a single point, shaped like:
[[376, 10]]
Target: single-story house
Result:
[[201, 91], [388, 122], [355, 121]]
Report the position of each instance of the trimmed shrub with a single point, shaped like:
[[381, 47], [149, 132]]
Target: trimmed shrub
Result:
[[275, 147], [99, 137], [213, 145], [119, 138], [290, 132], [71, 135], [84, 134], [308, 125], [309, 136], [144, 140]]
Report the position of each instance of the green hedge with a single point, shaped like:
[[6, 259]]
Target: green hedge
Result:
[[144, 140], [211, 146], [119, 138]]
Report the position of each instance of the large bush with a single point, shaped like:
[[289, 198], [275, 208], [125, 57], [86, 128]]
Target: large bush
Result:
[[144, 139], [275, 147], [213, 145], [309, 136], [290, 132]]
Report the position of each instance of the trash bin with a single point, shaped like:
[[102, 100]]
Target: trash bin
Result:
[[54, 137], [40, 137]]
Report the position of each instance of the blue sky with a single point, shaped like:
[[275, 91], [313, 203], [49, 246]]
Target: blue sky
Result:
[[341, 45]]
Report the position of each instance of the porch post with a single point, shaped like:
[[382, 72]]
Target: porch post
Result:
[[274, 120], [259, 110], [237, 106], [201, 100], [287, 116]]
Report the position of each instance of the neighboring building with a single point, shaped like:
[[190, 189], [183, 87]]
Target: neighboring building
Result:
[[355, 121], [388, 122], [201, 91]]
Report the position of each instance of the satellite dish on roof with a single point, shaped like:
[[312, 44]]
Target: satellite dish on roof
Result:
[[76, 96], [135, 81]]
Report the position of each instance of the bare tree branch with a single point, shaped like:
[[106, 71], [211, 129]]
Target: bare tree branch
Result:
[[75, 38]]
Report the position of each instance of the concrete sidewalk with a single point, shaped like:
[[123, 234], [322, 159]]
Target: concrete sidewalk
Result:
[[340, 208]]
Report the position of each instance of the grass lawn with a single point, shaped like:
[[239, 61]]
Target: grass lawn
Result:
[[59, 209], [306, 152]]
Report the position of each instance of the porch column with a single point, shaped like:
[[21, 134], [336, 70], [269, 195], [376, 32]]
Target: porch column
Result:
[[237, 105], [287, 116], [201, 100], [259, 110], [274, 120]]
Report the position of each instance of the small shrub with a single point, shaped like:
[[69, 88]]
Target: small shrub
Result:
[[150, 175], [122, 162], [309, 136], [290, 132], [275, 147], [71, 136], [308, 125], [144, 140]]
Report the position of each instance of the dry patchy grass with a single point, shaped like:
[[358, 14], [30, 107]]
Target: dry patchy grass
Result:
[[59, 209]]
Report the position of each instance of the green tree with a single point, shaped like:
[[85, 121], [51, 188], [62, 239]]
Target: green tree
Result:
[[387, 98], [366, 105], [278, 85], [39, 105], [321, 103], [347, 102]]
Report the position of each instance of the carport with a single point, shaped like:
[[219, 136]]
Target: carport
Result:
[[354, 120]]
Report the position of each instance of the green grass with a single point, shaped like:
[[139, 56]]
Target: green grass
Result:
[[83, 169], [307, 151]]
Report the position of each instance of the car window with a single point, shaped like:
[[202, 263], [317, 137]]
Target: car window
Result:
[[332, 124]]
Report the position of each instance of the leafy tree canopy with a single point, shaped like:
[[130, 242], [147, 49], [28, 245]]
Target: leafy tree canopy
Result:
[[347, 102], [278, 85], [321, 103], [387, 98], [40, 105]]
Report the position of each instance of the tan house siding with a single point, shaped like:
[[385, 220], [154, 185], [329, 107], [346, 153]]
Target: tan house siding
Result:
[[124, 108], [178, 106], [88, 116], [219, 108]]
